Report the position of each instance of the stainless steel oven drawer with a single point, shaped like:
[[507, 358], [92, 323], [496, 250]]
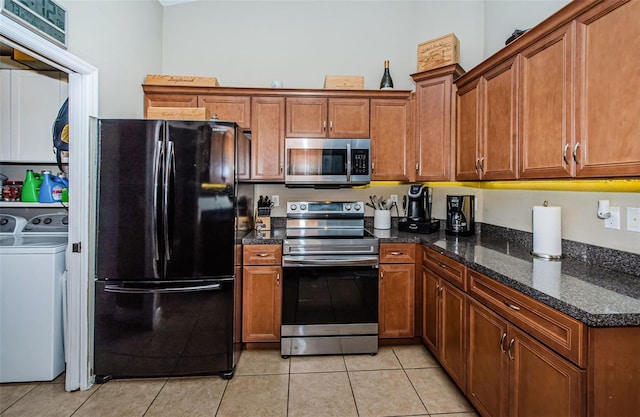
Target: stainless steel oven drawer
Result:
[[333, 345]]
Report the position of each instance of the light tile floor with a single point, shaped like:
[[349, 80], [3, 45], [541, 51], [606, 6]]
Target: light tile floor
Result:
[[398, 381]]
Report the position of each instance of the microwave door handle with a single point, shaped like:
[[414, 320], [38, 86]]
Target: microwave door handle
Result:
[[348, 162]]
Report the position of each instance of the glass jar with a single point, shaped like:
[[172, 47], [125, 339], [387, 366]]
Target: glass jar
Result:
[[11, 190]]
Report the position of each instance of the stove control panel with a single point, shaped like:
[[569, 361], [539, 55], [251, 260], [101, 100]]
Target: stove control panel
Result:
[[325, 208]]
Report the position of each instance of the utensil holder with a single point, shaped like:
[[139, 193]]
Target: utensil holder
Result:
[[382, 219]]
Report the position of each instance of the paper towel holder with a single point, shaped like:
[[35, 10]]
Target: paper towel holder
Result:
[[545, 256]]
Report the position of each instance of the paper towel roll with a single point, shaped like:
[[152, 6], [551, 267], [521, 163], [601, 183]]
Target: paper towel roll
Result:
[[547, 231]]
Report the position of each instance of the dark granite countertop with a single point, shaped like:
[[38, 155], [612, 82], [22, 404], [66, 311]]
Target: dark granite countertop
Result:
[[594, 295]]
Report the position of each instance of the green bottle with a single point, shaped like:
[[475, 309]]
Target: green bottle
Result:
[[29, 188]]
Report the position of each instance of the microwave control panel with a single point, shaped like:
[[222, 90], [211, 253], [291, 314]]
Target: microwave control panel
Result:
[[359, 161]]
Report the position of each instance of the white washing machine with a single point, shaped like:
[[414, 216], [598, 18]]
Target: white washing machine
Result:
[[32, 268]]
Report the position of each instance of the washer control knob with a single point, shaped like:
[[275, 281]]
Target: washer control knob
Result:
[[357, 207], [47, 220], [293, 207], [303, 206]]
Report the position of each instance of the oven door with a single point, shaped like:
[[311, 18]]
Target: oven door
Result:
[[330, 300]]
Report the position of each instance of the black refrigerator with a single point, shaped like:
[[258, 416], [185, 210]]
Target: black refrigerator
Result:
[[166, 298]]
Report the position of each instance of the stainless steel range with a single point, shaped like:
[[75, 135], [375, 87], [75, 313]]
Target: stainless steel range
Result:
[[330, 280]]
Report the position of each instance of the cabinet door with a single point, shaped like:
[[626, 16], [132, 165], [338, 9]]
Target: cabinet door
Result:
[[541, 382], [229, 108], [306, 117], [434, 125], [487, 362], [36, 97], [607, 84], [397, 292], [498, 142], [169, 100], [390, 139], [262, 298], [468, 131], [430, 310], [267, 138], [453, 332], [545, 106], [348, 118]]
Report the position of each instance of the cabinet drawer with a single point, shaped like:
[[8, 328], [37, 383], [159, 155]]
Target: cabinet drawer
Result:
[[558, 331], [262, 255], [446, 267], [397, 253]]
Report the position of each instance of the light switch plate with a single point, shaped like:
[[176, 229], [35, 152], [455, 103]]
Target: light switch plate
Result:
[[633, 219], [275, 199], [613, 222]]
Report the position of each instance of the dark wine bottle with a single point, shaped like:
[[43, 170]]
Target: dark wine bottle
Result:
[[386, 83]]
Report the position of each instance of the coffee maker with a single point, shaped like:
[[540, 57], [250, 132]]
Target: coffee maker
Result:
[[460, 215], [417, 209]]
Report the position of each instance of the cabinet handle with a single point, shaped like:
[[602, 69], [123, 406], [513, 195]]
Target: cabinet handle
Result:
[[281, 168], [396, 253], [331, 126], [417, 166], [564, 154], [262, 255], [575, 153], [278, 279], [511, 306], [476, 165], [381, 277], [509, 349], [443, 266], [504, 336], [324, 126], [482, 164], [373, 166]]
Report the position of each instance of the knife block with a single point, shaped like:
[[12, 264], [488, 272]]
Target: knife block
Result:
[[263, 219]]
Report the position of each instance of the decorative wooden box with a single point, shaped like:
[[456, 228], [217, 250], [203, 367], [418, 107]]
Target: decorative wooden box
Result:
[[344, 82], [438, 52], [178, 113], [181, 80]]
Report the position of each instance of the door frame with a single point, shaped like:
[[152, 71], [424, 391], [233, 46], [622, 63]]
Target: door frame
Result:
[[83, 96]]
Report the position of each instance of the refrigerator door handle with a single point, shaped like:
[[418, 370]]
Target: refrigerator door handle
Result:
[[133, 290], [169, 171], [157, 162]]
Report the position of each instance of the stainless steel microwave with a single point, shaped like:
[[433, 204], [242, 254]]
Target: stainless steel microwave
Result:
[[319, 162]]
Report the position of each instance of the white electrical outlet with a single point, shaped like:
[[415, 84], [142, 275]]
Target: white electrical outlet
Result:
[[633, 219], [394, 198], [275, 199], [613, 222]]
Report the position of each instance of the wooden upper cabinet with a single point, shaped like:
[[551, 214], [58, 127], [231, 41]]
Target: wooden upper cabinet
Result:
[[312, 117], [498, 143], [229, 108], [390, 139], [267, 138], [169, 100], [607, 83], [434, 123], [468, 131], [545, 106]]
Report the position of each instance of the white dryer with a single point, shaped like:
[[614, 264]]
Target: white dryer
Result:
[[32, 267]]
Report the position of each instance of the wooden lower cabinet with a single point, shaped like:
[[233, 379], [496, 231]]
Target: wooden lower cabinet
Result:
[[511, 374], [396, 283], [443, 324], [261, 293], [396, 306]]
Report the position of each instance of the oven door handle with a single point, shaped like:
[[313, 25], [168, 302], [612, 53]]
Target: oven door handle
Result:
[[331, 261]]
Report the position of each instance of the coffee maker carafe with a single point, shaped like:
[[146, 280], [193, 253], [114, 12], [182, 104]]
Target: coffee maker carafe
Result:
[[460, 215], [417, 206]]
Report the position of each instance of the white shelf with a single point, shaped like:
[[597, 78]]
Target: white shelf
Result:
[[20, 204]]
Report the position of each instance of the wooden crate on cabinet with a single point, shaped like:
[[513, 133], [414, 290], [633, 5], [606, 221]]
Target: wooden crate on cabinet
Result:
[[262, 293], [397, 290], [434, 126]]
